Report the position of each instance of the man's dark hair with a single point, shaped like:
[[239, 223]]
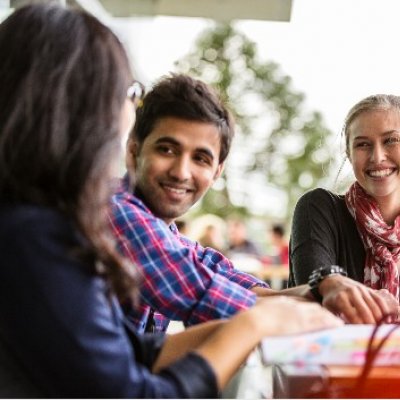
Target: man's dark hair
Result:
[[181, 96]]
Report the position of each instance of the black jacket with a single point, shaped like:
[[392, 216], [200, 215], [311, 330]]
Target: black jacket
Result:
[[62, 335]]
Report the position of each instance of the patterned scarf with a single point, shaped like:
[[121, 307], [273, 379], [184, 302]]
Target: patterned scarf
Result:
[[381, 241]]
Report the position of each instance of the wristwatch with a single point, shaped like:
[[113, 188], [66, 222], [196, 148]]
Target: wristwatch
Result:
[[319, 274]]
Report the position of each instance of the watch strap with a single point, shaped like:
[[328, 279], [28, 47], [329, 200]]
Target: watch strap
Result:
[[319, 274]]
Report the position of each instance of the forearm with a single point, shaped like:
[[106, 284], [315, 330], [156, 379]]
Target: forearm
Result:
[[230, 345], [217, 342], [179, 344], [302, 291]]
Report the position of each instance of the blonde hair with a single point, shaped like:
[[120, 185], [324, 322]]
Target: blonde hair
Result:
[[377, 102]]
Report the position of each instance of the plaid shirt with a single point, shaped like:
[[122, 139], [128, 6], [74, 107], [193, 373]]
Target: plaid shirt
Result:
[[181, 279]]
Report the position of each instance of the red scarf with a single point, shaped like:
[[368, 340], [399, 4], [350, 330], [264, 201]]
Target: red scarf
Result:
[[381, 241]]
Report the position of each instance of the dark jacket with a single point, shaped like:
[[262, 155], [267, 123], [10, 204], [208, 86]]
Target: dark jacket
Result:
[[61, 334]]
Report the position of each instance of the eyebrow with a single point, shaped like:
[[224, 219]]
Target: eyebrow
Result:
[[171, 140], [381, 134]]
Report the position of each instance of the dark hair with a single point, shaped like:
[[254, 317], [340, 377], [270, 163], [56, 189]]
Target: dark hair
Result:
[[183, 97], [278, 229], [63, 78]]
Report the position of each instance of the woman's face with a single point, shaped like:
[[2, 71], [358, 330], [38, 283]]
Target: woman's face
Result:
[[374, 152]]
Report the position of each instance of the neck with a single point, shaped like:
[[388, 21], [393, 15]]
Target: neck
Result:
[[389, 208]]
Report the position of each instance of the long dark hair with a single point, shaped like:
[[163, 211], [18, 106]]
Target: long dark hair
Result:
[[63, 83]]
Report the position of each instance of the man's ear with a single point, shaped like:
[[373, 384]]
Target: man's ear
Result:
[[131, 155], [219, 171]]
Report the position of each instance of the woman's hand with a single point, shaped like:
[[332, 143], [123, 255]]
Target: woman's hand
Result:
[[283, 315], [355, 302]]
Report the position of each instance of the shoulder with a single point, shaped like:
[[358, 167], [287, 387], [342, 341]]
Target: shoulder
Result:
[[321, 194], [125, 202], [319, 206], [320, 198], [31, 220]]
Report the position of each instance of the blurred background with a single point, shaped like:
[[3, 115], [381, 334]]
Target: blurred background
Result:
[[290, 70]]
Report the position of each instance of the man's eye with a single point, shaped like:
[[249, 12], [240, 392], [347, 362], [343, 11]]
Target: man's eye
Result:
[[392, 140], [203, 160], [164, 149]]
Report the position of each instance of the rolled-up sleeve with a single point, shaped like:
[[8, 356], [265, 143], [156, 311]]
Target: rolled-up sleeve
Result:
[[223, 266]]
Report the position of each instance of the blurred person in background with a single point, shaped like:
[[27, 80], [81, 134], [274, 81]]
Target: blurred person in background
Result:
[[238, 241], [212, 237], [280, 246]]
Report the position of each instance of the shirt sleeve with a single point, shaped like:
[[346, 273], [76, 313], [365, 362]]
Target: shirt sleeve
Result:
[[175, 282], [313, 241], [222, 265], [67, 332]]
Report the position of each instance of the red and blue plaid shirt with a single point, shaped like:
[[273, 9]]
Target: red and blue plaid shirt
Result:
[[181, 279]]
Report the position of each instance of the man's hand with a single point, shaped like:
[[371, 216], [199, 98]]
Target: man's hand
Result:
[[355, 302]]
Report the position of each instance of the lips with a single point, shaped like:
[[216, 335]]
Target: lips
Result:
[[176, 189]]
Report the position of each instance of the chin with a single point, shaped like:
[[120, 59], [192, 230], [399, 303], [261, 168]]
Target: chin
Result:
[[380, 194], [170, 214]]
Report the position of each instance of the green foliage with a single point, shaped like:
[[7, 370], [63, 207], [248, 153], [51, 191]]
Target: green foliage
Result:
[[283, 143]]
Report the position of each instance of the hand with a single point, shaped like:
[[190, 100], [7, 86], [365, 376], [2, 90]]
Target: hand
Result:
[[392, 303], [355, 302], [282, 315]]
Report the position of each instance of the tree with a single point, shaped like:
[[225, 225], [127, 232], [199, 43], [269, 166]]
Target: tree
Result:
[[286, 146]]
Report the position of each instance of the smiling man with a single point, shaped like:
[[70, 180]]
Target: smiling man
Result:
[[176, 151], [176, 164]]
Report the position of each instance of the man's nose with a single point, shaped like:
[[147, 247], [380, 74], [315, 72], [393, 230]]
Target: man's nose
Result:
[[181, 168]]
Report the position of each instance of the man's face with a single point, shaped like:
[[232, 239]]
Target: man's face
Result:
[[176, 164]]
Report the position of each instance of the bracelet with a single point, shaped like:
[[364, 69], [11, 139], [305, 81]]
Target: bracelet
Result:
[[319, 274]]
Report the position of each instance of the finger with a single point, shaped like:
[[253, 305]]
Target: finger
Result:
[[341, 305], [367, 310], [376, 305], [386, 302]]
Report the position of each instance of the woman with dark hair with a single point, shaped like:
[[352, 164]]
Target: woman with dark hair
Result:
[[65, 104]]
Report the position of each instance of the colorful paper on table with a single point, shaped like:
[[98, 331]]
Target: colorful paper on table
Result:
[[346, 345]]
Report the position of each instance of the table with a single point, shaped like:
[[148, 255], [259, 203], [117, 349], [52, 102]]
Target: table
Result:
[[333, 359]]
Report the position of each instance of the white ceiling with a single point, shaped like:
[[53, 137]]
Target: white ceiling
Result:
[[223, 10], [276, 10]]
